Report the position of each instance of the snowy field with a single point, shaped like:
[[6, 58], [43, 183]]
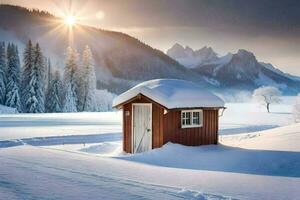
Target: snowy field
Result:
[[78, 156]]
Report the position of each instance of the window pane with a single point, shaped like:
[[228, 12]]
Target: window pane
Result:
[[196, 114], [188, 118], [196, 120], [183, 118]]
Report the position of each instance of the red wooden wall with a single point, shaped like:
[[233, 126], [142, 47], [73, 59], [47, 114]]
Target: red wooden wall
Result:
[[167, 127], [207, 134]]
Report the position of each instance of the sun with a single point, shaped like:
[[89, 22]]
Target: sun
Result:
[[70, 20]]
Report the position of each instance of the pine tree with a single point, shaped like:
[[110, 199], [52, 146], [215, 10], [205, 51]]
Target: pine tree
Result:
[[32, 102], [39, 67], [2, 72], [79, 79], [49, 73], [70, 84], [28, 60], [70, 99], [88, 84], [13, 78], [54, 94], [35, 89]]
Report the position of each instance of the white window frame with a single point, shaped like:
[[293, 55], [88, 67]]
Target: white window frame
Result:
[[192, 125]]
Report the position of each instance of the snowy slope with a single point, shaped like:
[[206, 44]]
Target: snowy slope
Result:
[[278, 139], [251, 117], [245, 166], [65, 175]]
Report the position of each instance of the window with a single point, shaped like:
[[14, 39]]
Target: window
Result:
[[191, 118]]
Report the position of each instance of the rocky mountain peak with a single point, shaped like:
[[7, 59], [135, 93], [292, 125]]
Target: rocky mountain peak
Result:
[[177, 51], [242, 53], [191, 58], [189, 50], [244, 59], [206, 52]]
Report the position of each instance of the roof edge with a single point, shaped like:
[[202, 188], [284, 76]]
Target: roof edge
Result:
[[137, 96]]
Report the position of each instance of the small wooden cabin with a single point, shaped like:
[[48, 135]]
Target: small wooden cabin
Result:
[[167, 110]]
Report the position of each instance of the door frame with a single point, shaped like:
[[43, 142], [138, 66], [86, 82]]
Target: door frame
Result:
[[132, 124]]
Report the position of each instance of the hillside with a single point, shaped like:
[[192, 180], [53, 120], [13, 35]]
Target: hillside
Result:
[[120, 60]]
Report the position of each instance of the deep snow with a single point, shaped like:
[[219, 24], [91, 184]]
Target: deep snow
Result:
[[172, 93], [78, 156]]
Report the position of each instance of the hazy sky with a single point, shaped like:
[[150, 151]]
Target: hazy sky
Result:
[[269, 28]]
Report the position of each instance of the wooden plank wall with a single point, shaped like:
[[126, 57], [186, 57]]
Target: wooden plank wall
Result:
[[127, 129], [208, 134], [167, 127], [157, 124]]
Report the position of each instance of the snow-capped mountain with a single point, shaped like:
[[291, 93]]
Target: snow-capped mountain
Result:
[[242, 71], [191, 58], [239, 71]]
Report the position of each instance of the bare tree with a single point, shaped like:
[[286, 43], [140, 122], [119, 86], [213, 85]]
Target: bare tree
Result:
[[267, 95]]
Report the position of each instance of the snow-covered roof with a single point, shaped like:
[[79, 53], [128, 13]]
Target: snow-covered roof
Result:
[[172, 93]]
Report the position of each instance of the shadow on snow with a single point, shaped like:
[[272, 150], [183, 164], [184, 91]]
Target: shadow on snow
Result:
[[224, 159], [245, 129]]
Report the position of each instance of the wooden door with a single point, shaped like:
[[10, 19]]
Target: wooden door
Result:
[[142, 127]]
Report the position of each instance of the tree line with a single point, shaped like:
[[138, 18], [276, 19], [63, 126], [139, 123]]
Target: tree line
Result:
[[35, 88]]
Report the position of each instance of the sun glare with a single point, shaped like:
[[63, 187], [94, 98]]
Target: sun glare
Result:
[[70, 20], [100, 14]]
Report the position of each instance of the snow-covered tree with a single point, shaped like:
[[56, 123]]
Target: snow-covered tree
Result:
[[54, 94], [2, 72], [70, 81], [70, 104], [80, 83], [87, 89], [267, 95], [28, 60], [104, 100], [39, 71], [35, 89], [32, 102], [296, 109], [49, 72], [13, 78]]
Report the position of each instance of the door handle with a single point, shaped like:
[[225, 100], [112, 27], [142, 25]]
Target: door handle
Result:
[[148, 129]]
